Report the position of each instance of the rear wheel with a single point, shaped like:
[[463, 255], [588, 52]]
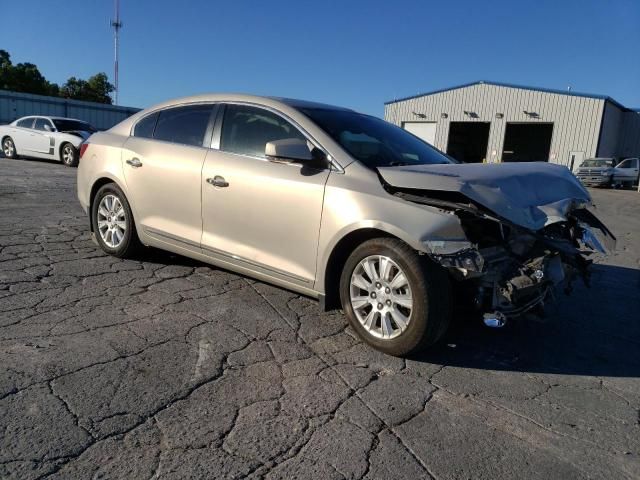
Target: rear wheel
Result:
[[113, 222], [9, 148], [396, 300], [69, 155]]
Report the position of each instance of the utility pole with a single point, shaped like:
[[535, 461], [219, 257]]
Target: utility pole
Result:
[[117, 25]]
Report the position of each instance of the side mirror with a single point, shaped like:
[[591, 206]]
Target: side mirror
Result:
[[288, 149], [48, 128]]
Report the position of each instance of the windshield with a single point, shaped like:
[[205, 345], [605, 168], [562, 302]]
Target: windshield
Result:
[[64, 125], [374, 142], [595, 162]]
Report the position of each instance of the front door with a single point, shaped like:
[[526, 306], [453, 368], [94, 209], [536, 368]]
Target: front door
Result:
[[261, 215], [162, 164], [627, 170], [42, 140]]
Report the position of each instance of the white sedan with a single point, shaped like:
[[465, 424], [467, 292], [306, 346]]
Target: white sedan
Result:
[[54, 138]]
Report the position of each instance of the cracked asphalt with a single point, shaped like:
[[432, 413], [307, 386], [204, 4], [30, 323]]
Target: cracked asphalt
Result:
[[164, 367]]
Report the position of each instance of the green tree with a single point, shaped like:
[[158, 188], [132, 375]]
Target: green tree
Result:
[[23, 77], [96, 89]]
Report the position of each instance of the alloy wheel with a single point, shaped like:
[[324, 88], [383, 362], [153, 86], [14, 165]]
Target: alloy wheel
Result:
[[8, 148], [112, 221], [68, 155], [380, 296]]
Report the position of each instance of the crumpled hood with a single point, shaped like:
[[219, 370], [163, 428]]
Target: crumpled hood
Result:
[[529, 194]]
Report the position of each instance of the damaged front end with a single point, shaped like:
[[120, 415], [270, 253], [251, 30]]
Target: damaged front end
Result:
[[509, 270]]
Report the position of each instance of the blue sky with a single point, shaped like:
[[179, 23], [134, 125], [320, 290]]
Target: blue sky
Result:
[[352, 53]]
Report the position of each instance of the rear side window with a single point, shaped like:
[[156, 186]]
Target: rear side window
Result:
[[246, 130], [144, 128], [185, 125], [25, 123]]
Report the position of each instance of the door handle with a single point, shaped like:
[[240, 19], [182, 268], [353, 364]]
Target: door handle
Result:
[[134, 162], [218, 181]]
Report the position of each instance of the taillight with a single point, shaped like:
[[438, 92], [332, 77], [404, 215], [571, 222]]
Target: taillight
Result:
[[83, 148]]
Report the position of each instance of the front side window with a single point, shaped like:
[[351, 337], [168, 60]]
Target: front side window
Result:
[[40, 124], [145, 127], [25, 123], [186, 125], [625, 164], [246, 130]]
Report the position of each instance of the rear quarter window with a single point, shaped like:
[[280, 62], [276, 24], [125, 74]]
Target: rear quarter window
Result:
[[25, 123]]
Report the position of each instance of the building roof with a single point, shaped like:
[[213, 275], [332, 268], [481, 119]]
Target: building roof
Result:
[[523, 87]]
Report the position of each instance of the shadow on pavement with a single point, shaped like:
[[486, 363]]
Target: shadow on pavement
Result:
[[594, 331]]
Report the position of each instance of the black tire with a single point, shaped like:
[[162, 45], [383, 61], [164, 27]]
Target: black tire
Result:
[[130, 245], [430, 291], [69, 155], [9, 148]]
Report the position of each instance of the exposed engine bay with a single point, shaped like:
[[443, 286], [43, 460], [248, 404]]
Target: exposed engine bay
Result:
[[508, 269]]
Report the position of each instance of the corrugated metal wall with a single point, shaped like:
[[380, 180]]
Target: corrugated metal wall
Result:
[[15, 105], [576, 119], [612, 124], [629, 139]]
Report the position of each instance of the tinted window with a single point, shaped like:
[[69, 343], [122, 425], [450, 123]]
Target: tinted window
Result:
[[373, 141], [67, 125], [246, 130], [186, 125], [144, 128], [25, 122], [40, 123], [596, 162]]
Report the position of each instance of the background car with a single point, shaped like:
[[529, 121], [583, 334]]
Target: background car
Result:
[[54, 138], [596, 172]]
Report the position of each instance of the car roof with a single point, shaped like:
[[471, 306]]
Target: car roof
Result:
[[280, 103], [51, 118], [296, 103]]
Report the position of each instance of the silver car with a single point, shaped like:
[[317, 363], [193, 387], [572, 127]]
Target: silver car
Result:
[[339, 206], [597, 172]]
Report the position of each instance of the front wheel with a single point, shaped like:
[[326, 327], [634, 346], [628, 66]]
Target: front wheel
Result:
[[69, 155], [396, 300], [9, 148], [113, 223]]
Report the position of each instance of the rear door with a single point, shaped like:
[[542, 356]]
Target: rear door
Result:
[[22, 135], [162, 163], [259, 214]]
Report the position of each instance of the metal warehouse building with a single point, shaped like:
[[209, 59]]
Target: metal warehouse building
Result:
[[495, 122], [15, 105]]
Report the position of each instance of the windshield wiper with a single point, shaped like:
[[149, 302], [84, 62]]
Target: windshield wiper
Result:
[[398, 164]]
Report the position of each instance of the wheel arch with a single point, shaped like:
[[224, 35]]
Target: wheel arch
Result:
[[61, 146], [338, 256], [4, 137], [99, 183]]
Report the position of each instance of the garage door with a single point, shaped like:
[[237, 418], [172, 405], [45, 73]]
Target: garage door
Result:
[[424, 130]]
